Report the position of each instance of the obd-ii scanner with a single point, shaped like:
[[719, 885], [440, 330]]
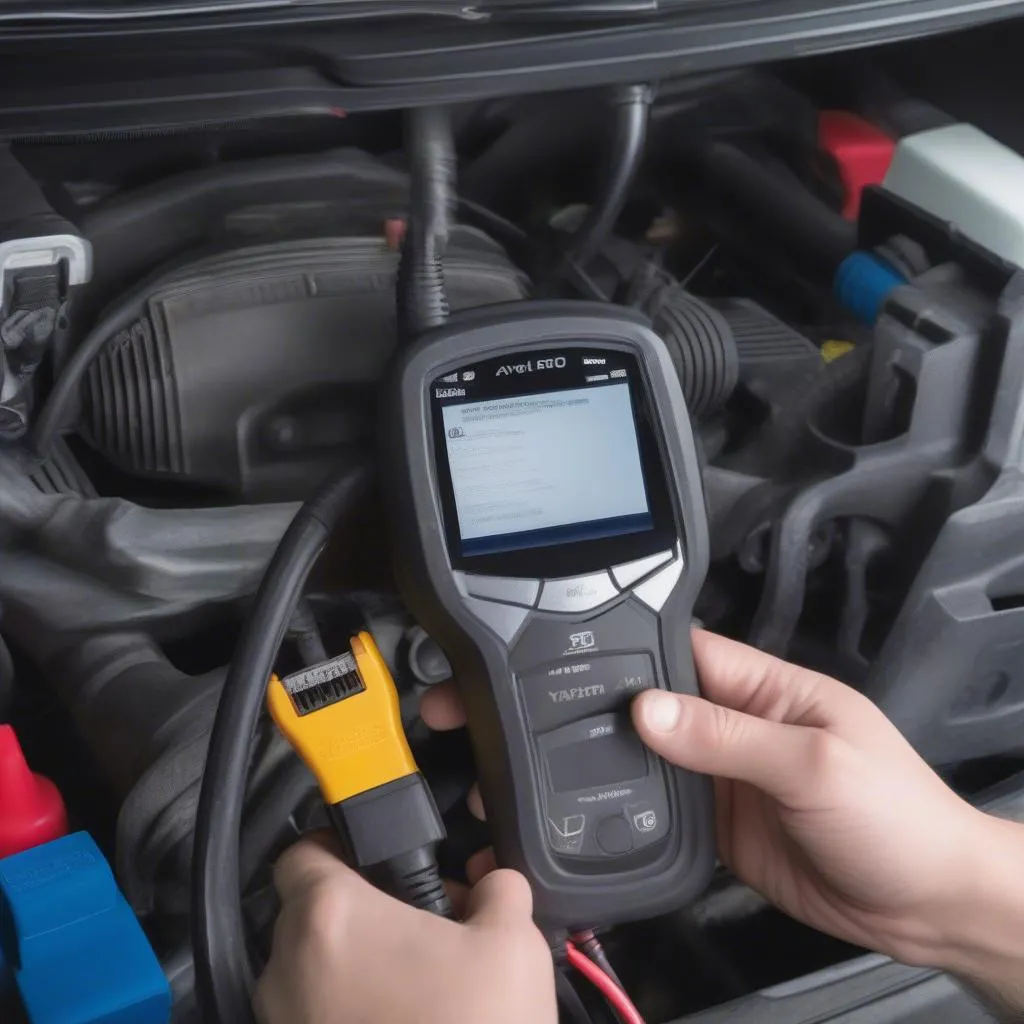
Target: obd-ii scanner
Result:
[[550, 533]]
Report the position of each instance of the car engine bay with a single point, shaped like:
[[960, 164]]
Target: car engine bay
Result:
[[193, 332]]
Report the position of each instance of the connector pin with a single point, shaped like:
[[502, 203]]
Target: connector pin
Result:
[[322, 685]]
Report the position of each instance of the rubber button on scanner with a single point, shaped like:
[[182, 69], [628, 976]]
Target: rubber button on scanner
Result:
[[577, 595], [500, 588], [628, 574], [504, 619], [655, 591], [614, 835]]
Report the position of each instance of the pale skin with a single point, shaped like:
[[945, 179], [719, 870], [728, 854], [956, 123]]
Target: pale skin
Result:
[[823, 808]]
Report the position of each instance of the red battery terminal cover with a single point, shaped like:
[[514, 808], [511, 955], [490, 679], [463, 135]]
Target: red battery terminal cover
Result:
[[31, 809], [861, 153]]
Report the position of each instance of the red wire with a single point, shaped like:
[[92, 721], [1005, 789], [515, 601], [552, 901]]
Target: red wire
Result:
[[619, 1000]]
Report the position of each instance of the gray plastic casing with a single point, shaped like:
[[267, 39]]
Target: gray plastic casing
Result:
[[681, 865]]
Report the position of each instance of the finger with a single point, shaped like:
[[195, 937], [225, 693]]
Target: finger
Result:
[[441, 708], [780, 759], [312, 860], [746, 679], [475, 803], [503, 898], [481, 864]]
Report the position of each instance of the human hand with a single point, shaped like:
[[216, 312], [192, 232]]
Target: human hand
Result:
[[822, 805], [345, 952]]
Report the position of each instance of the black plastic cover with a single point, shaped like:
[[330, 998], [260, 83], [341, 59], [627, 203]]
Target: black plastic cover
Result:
[[250, 369]]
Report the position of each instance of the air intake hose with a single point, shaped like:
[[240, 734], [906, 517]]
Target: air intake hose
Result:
[[701, 344]]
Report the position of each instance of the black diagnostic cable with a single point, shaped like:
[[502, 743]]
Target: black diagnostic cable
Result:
[[631, 105], [305, 634], [422, 300], [591, 945], [223, 974]]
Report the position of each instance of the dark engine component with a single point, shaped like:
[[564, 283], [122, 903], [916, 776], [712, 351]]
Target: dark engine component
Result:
[[780, 375], [252, 368], [770, 353]]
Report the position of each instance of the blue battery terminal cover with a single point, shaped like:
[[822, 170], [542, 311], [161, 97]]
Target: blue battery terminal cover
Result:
[[862, 284], [75, 948]]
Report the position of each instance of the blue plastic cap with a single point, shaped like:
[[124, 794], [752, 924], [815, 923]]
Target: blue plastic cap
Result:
[[863, 283], [77, 952]]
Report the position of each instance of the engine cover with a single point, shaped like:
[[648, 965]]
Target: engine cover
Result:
[[250, 369]]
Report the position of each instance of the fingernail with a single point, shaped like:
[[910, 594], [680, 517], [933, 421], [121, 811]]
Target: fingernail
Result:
[[659, 711]]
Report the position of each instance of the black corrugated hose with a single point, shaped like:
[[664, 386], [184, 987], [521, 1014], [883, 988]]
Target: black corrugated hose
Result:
[[701, 344], [223, 973], [422, 301]]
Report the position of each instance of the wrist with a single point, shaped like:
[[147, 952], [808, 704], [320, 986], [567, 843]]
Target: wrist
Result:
[[979, 932]]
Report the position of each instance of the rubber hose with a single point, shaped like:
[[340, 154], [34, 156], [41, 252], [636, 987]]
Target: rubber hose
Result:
[[625, 152], [702, 347], [422, 301], [551, 135], [798, 222], [223, 973]]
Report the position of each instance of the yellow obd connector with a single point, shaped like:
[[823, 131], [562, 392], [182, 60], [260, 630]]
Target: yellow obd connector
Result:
[[342, 718]]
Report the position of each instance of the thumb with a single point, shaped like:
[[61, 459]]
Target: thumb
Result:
[[313, 860], [704, 737], [500, 899]]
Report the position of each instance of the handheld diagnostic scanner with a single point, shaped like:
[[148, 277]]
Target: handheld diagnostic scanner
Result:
[[550, 533]]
